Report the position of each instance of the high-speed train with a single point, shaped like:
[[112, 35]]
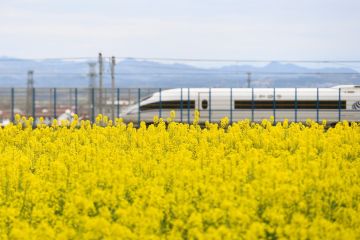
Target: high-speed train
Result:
[[295, 104]]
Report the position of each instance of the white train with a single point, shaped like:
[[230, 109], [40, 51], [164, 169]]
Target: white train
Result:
[[295, 104]]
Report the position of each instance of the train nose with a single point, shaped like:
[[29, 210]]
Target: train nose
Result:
[[126, 116]]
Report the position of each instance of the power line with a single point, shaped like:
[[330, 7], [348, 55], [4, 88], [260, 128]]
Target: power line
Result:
[[240, 73], [188, 60], [239, 60], [189, 73], [46, 59]]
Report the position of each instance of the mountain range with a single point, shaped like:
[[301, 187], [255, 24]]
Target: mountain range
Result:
[[150, 74]]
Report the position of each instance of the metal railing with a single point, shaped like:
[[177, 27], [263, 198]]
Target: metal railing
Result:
[[52, 103]]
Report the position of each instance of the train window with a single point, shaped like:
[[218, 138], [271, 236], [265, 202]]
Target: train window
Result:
[[288, 104], [169, 105], [204, 104]]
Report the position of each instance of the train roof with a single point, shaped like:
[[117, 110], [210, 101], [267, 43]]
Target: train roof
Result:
[[347, 86], [194, 90]]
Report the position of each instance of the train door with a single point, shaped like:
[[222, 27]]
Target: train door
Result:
[[203, 105]]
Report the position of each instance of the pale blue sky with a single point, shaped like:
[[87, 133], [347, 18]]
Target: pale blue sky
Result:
[[221, 29]]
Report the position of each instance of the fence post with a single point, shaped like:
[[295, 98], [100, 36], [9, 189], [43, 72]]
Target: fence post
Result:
[[139, 117], [160, 104], [93, 105], [76, 101], [54, 107], [12, 104], [181, 105], [317, 105], [296, 105], [231, 106], [252, 105], [33, 105], [209, 105], [118, 102], [274, 106], [340, 105], [188, 106]]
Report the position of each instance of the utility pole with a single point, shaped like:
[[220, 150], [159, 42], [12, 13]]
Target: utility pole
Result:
[[101, 83], [71, 100], [248, 79], [92, 84], [92, 75], [113, 88], [29, 92], [50, 100]]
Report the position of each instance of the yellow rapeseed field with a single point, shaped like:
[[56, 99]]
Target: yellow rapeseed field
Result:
[[109, 180]]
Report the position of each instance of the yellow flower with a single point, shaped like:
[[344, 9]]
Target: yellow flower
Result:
[[179, 181], [224, 122], [172, 114], [17, 118]]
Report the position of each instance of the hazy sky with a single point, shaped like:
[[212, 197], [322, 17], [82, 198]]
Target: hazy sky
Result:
[[222, 29]]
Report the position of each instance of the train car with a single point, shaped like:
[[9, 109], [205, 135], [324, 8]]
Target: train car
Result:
[[295, 104]]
